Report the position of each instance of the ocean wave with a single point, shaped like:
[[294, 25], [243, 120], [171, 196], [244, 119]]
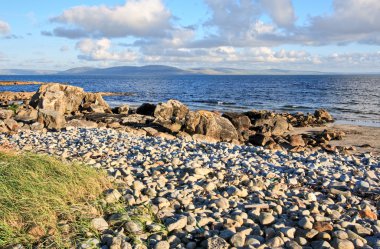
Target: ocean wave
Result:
[[214, 102], [295, 107]]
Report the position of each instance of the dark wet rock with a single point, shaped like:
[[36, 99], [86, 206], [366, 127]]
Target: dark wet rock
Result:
[[146, 109], [260, 139], [124, 109], [240, 121]]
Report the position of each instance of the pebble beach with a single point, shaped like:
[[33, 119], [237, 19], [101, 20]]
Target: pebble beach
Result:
[[221, 195]]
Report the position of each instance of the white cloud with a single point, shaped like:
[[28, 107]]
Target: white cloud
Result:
[[351, 21], [234, 34], [357, 59], [4, 28], [100, 50], [228, 55], [238, 23], [282, 12], [140, 18]]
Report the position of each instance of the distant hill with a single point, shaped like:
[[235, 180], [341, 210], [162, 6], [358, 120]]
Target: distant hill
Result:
[[77, 70], [26, 72], [237, 71], [158, 70], [127, 70]]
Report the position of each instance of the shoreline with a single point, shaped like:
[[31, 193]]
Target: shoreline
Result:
[[273, 130], [24, 95], [365, 139], [344, 118], [17, 82]]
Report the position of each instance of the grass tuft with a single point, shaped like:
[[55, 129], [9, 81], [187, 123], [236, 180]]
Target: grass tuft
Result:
[[45, 201], [14, 107]]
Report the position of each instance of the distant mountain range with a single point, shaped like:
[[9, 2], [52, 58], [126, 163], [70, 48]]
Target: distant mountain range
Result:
[[26, 72], [160, 70], [127, 70]]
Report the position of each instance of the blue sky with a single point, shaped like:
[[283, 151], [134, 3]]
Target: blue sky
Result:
[[326, 35]]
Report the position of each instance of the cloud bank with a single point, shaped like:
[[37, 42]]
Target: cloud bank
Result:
[[99, 50], [233, 33], [142, 18]]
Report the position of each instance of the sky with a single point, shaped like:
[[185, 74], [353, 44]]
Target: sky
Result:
[[323, 35]]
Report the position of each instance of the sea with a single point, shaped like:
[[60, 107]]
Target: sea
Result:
[[351, 99]]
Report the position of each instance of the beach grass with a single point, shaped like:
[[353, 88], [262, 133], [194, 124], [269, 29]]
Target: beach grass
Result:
[[45, 201]]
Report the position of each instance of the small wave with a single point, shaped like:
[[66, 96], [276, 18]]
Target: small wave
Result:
[[214, 102], [294, 107]]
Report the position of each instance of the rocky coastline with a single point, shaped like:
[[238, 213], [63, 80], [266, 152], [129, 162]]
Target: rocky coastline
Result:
[[231, 180], [56, 106]]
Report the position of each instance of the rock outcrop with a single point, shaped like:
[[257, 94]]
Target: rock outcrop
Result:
[[323, 116], [210, 124], [171, 115], [57, 106], [54, 101]]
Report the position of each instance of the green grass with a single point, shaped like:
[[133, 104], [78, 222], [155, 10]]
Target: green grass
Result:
[[14, 107], [55, 198]]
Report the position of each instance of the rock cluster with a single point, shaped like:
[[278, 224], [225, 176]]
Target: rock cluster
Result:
[[57, 106], [54, 101], [8, 97], [205, 195]]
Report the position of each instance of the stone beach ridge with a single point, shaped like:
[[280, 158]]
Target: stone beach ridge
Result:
[[223, 195], [202, 176]]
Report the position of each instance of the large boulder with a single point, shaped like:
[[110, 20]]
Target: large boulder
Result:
[[280, 126], [269, 123], [171, 115], [94, 102], [51, 119], [54, 101], [323, 116], [210, 124], [60, 98], [172, 110], [9, 125], [260, 139], [240, 121], [27, 115], [146, 109]]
